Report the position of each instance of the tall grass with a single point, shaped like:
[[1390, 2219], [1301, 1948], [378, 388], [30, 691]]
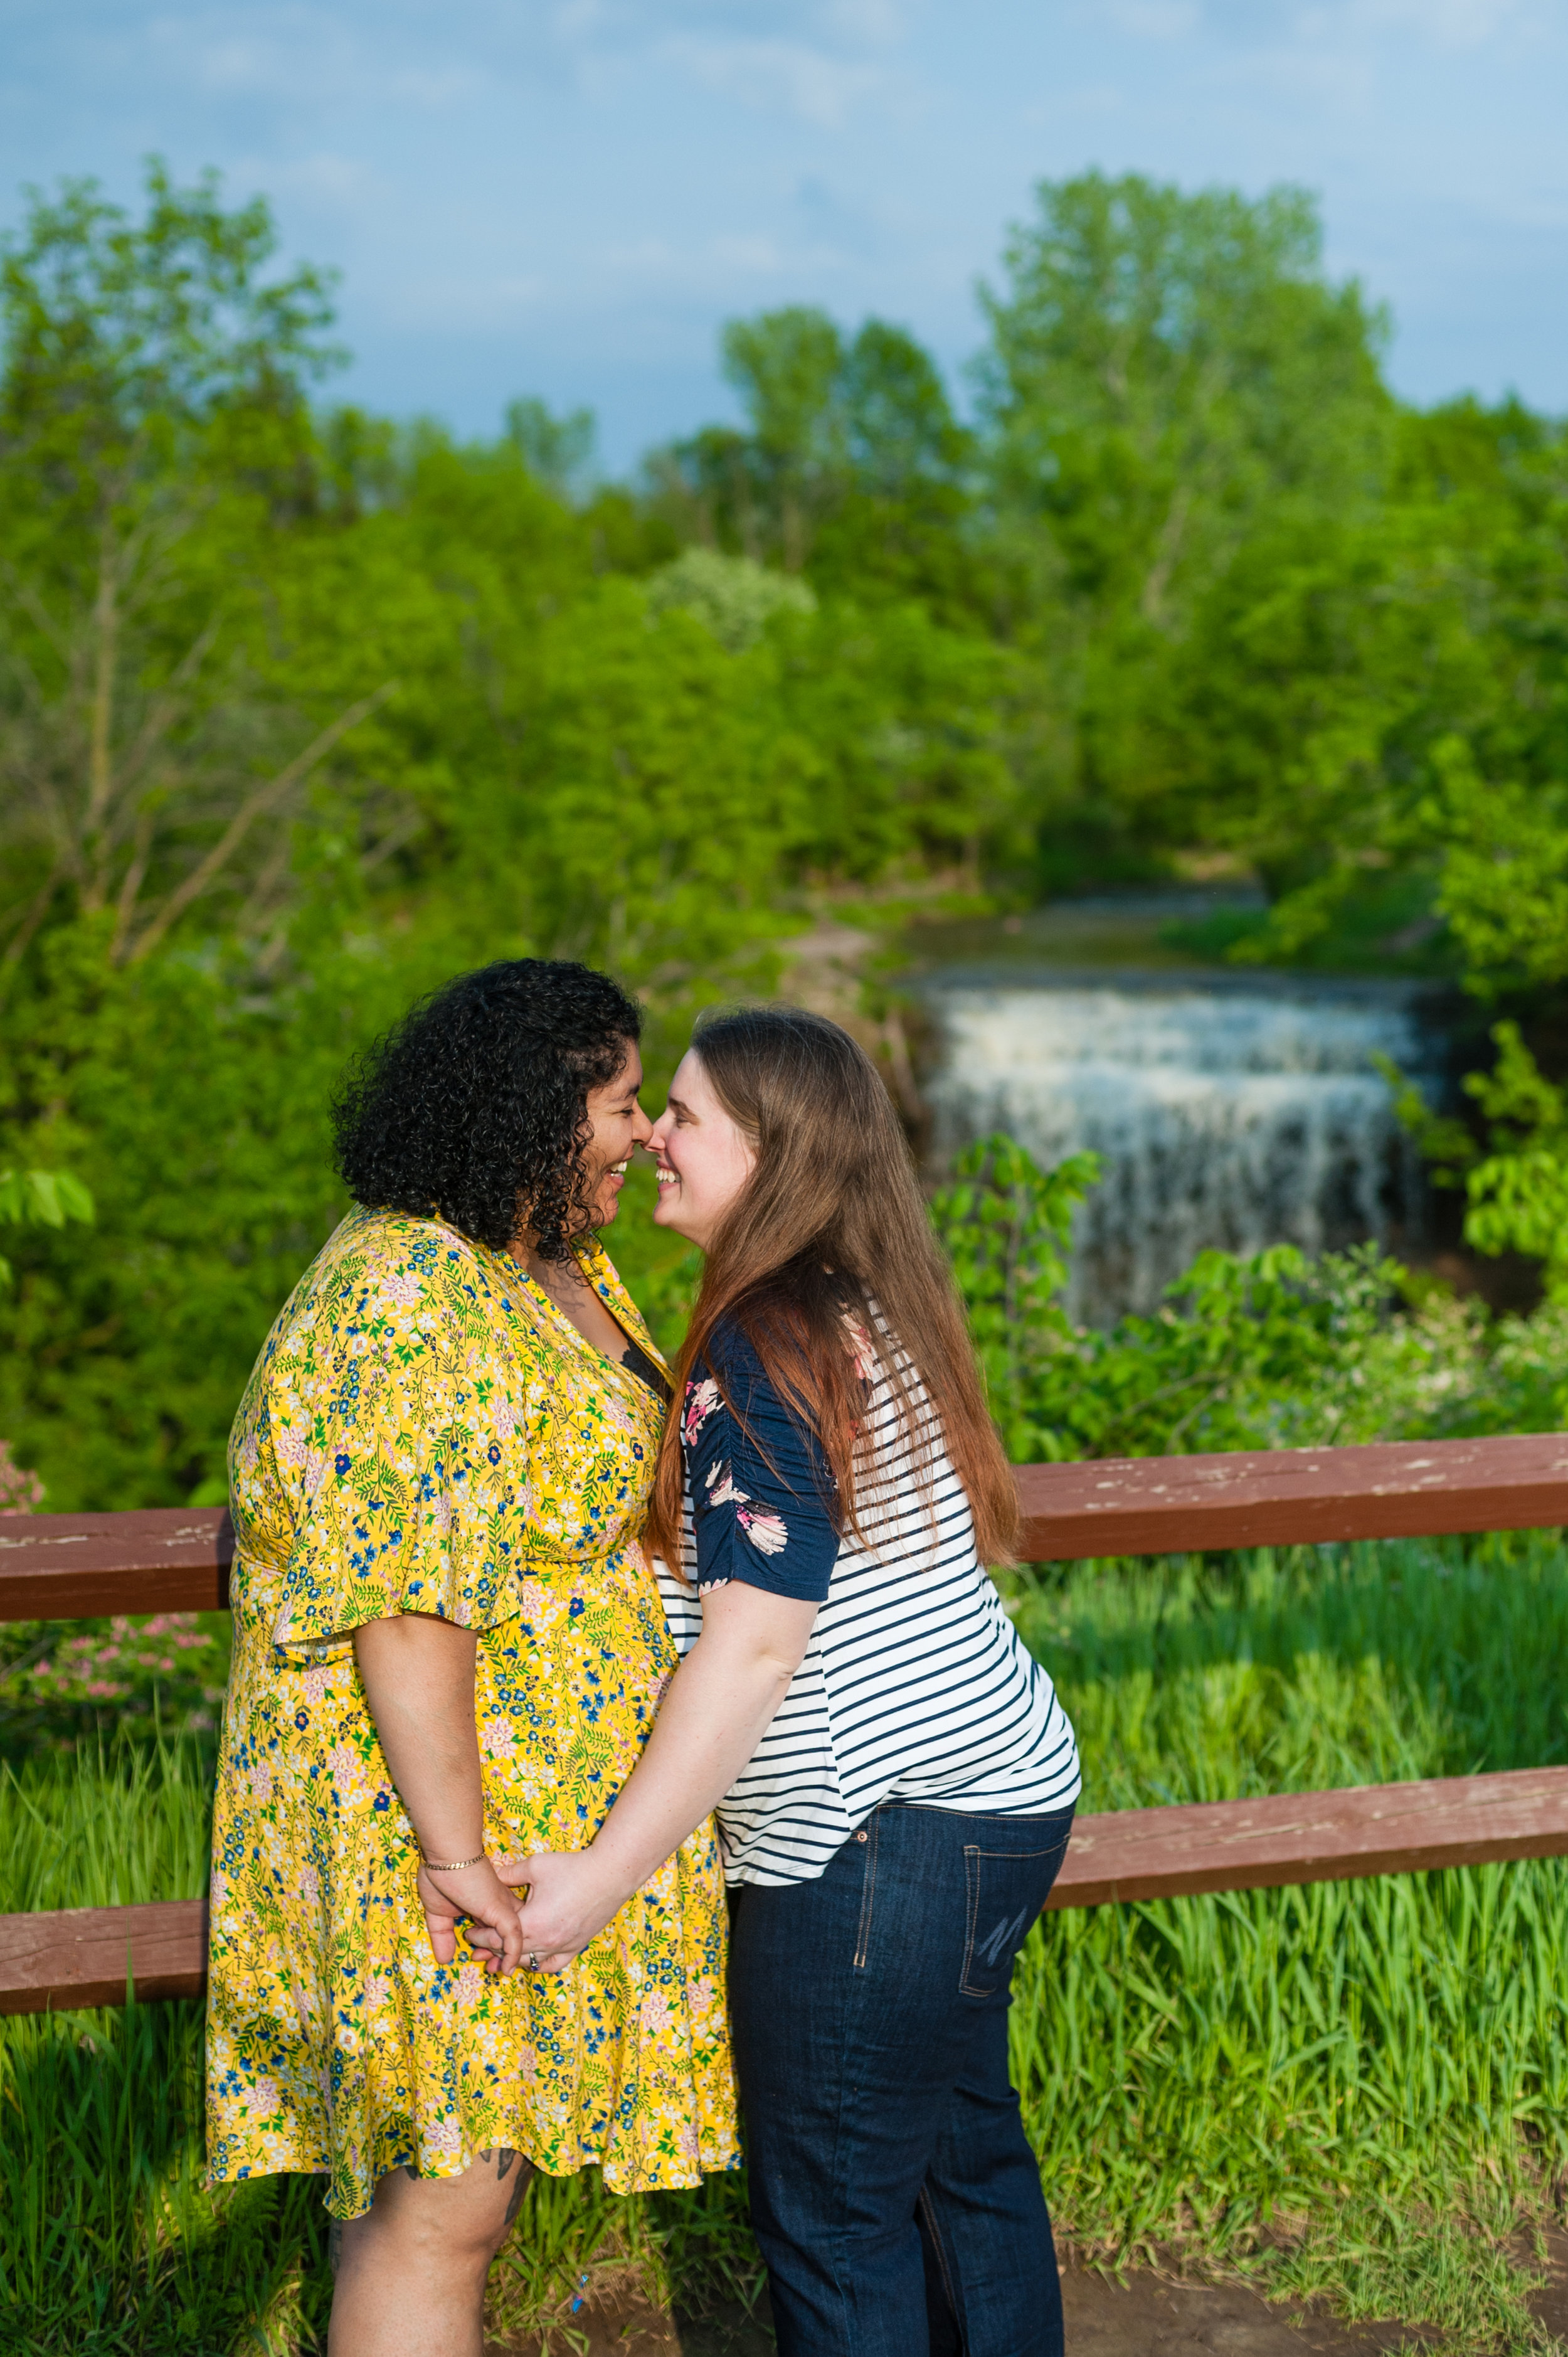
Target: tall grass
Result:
[[106, 1825], [108, 2241], [1358, 2088], [1373, 2065]]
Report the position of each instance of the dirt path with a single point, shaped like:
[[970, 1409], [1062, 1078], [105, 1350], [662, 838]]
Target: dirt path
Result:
[[1142, 2317]]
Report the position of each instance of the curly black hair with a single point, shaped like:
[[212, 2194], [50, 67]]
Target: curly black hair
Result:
[[475, 1106]]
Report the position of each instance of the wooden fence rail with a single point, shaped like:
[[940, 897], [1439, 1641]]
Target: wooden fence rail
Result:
[[60, 1566], [69, 1567], [85, 1955]]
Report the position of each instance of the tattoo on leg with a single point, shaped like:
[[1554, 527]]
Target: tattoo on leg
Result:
[[505, 2158]]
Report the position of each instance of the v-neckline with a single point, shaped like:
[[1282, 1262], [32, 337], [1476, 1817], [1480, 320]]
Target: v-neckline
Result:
[[573, 1327]]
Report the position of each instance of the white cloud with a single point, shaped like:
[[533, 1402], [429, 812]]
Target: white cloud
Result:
[[265, 52], [879, 22], [1447, 23], [1289, 27], [736, 260], [455, 304], [787, 77], [342, 179], [1158, 20], [434, 86]]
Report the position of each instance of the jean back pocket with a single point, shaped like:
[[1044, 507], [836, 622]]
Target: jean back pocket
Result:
[[1006, 1890]]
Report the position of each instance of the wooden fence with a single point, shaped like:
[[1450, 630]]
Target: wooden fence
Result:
[[62, 1566]]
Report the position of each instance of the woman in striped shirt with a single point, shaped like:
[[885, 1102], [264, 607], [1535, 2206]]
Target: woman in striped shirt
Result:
[[894, 1775]]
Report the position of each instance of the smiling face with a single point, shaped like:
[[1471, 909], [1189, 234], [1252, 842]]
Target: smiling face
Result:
[[704, 1156], [619, 1122]]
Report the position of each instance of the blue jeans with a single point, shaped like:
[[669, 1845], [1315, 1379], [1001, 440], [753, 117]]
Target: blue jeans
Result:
[[894, 2192]]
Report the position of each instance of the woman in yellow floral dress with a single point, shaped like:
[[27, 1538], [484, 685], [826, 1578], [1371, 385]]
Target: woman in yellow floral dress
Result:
[[450, 1648]]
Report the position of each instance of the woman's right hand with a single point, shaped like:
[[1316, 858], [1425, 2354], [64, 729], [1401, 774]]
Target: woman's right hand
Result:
[[478, 1893]]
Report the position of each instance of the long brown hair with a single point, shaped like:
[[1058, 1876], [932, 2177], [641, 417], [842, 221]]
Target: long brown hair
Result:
[[830, 1225]]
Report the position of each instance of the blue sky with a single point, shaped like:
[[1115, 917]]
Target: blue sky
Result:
[[566, 196]]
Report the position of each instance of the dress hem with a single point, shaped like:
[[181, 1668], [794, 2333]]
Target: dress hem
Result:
[[211, 2180]]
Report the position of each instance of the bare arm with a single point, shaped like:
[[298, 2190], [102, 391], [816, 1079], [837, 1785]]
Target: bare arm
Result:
[[418, 1675], [717, 1712]]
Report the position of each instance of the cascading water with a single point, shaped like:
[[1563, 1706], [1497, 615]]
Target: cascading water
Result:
[[1236, 1114]]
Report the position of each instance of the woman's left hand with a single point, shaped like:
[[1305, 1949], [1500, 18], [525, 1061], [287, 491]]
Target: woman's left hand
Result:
[[570, 1901]]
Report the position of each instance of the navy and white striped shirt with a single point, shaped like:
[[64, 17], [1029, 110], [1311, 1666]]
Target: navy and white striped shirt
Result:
[[915, 1685]]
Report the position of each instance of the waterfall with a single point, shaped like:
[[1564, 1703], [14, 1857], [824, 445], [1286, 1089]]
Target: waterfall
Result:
[[1233, 1113]]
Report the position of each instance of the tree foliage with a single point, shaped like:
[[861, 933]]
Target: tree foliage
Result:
[[302, 710]]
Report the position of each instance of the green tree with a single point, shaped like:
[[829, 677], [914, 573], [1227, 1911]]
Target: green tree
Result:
[[853, 468], [558, 450], [153, 431], [786, 366], [1167, 374], [1343, 677], [41, 1199]]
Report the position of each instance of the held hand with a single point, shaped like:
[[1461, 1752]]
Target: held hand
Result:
[[477, 1894], [570, 1901]]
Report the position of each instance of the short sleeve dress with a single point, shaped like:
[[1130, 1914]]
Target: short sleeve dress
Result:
[[425, 1432]]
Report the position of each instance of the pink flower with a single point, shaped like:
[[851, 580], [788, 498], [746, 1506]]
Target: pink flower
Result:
[[701, 1996], [720, 1486], [349, 1779], [656, 2012], [768, 1534], [700, 1400], [20, 1490], [446, 2136], [266, 2098], [497, 1738], [290, 1447], [470, 1984], [537, 1602]]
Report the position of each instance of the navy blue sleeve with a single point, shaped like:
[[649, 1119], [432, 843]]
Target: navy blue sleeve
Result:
[[760, 1483]]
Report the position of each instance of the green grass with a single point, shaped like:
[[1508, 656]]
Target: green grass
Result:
[[1361, 2086], [1354, 2090]]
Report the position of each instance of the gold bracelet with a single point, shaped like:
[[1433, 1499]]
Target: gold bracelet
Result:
[[451, 1865]]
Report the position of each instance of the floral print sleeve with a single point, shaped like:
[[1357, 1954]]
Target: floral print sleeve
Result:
[[760, 1485], [375, 1414]]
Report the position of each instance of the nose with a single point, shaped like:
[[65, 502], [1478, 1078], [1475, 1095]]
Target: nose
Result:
[[659, 1131], [641, 1127]]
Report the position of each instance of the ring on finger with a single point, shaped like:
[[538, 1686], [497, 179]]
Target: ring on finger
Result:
[[533, 1962]]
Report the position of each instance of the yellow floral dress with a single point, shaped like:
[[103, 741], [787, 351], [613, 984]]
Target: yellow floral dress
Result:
[[425, 1432]]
